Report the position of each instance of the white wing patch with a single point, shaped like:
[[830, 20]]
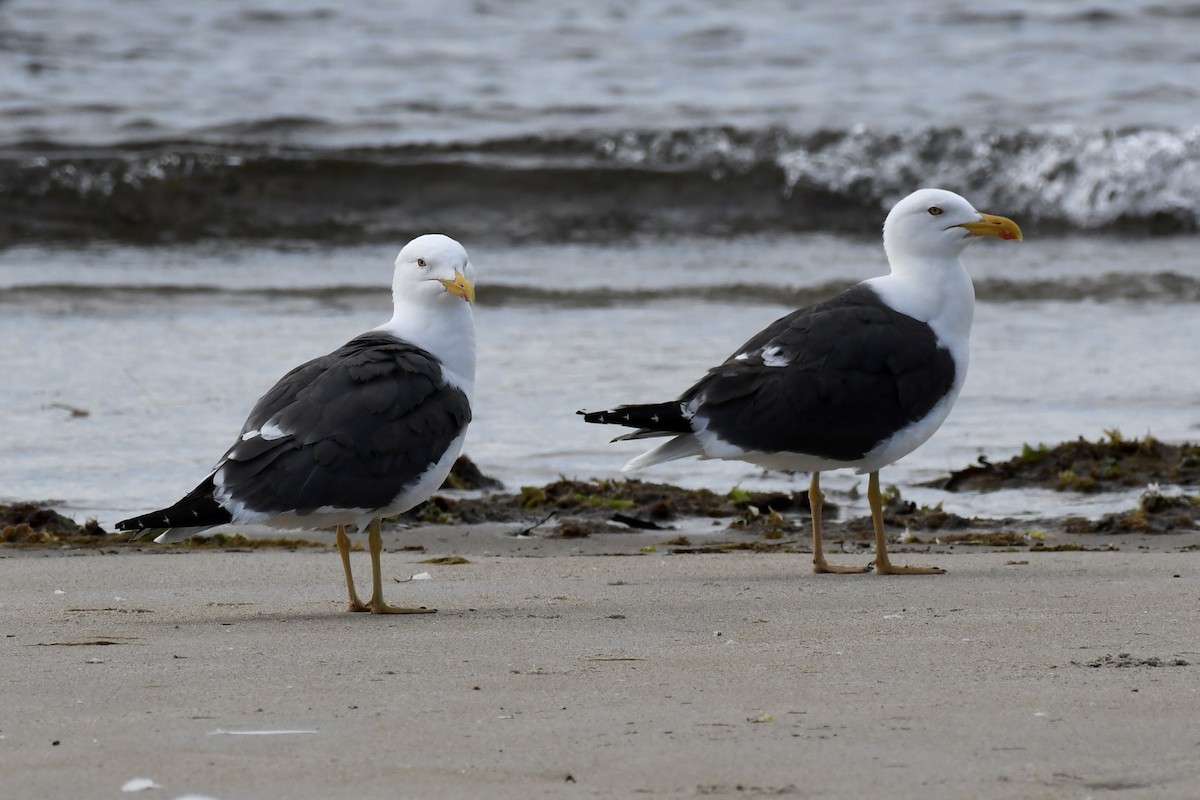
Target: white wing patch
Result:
[[771, 356], [270, 432], [774, 357]]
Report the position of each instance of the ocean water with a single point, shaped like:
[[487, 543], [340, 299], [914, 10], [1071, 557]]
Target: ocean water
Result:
[[167, 351], [540, 120], [450, 71], [195, 197]]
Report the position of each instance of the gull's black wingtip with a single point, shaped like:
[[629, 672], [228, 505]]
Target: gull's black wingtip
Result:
[[660, 418], [143, 527], [599, 417]]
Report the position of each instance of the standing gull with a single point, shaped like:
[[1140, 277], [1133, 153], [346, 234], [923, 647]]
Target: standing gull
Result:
[[857, 381], [367, 431]]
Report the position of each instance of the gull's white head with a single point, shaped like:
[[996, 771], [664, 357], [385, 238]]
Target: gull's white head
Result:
[[432, 293], [433, 269], [934, 224]]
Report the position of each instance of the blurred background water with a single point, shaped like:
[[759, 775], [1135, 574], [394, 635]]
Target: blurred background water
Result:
[[195, 197]]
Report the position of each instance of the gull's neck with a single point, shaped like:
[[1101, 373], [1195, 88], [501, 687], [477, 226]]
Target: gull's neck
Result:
[[933, 289], [445, 328]]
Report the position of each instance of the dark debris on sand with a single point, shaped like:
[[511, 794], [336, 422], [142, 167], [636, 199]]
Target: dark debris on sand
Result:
[[902, 514], [1110, 464], [585, 507], [464, 475], [1127, 661], [582, 508], [35, 524], [575, 509], [1155, 513]]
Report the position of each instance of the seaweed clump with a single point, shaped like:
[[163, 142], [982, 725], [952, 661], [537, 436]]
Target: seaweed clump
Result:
[[1155, 513], [34, 524], [1110, 464], [591, 505], [907, 515]]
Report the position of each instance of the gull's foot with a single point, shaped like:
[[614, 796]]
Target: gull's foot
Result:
[[357, 605], [891, 569], [820, 567], [384, 608]]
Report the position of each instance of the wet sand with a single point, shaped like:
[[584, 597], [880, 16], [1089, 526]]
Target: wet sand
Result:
[[238, 674]]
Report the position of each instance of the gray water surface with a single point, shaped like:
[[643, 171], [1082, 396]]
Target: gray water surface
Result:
[[367, 73], [168, 348]]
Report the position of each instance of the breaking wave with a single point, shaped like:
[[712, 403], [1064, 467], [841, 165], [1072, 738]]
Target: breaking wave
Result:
[[598, 186]]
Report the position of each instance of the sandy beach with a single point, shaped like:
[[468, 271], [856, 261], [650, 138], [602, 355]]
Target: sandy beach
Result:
[[195, 198], [238, 674]]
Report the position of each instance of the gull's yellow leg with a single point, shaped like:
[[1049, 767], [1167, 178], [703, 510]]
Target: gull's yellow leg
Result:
[[882, 564], [815, 500], [343, 546], [375, 545]]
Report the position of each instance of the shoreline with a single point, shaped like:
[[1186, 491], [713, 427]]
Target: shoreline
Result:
[[847, 540], [631, 516]]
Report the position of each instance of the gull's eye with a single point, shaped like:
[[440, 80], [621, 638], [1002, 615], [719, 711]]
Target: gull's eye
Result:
[[421, 261], [935, 211]]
